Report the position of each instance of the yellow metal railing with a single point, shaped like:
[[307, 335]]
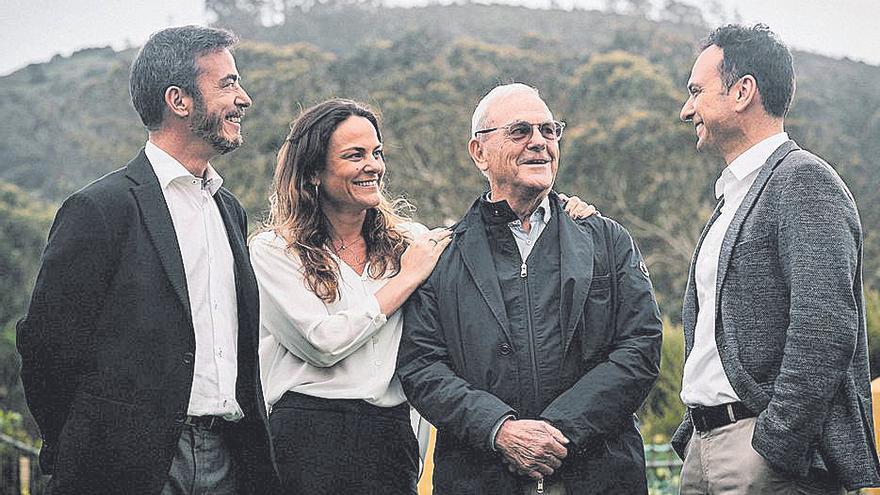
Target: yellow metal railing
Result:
[[425, 481], [875, 398]]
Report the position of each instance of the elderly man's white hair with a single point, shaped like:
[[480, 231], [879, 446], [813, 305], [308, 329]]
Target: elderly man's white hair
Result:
[[478, 121]]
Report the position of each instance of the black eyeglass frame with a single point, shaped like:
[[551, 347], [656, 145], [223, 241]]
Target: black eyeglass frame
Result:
[[557, 124]]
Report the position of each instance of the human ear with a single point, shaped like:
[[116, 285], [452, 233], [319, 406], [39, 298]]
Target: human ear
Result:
[[746, 92], [478, 154], [177, 101]]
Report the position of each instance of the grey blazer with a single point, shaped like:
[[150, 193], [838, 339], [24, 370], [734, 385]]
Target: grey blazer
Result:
[[790, 320]]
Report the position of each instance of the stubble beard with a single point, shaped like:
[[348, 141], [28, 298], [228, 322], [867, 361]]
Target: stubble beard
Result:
[[210, 128]]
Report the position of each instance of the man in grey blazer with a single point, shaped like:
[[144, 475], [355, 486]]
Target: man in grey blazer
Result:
[[776, 375]]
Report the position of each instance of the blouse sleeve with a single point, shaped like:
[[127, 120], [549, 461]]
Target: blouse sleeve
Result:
[[298, 318]]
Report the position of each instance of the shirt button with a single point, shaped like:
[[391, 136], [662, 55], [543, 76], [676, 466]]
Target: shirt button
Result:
[[180, 416], [378, 363], [504, 349]]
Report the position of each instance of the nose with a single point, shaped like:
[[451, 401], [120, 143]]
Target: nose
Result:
[[687, 110], [373, 164], [536, 140], [244, 99]]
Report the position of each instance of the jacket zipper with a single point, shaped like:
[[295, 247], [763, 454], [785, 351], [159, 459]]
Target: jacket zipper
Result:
[[523, 274], [540, 487]]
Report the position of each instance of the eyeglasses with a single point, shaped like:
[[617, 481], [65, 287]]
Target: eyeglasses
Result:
[[520, 131]]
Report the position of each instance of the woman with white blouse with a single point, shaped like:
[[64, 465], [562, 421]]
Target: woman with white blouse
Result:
[[334, 263]]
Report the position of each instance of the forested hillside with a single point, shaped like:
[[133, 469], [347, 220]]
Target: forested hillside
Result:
[[617, 80]]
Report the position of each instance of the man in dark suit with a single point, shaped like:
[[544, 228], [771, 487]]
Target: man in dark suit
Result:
[[139, 348], [537, 336], [776, 375]]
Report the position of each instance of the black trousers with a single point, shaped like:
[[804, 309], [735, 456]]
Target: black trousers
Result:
[[341, 446]]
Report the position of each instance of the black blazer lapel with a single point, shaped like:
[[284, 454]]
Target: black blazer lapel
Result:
[[235, 237], [576, 273], [248, 312], [743, 211], [157, 220], [477, 258]]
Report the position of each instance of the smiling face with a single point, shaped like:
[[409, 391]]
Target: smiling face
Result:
[[526, 168], [218, 109], [710, 105], [352, 177]]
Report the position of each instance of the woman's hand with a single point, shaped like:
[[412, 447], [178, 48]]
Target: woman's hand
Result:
[[421, 256], [416, 265], [576, 208]]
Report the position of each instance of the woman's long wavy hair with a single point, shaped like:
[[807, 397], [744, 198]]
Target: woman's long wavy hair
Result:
[[295, 211]]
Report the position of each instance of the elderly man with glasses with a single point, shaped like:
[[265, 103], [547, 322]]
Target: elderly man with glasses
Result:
[[537, 336]]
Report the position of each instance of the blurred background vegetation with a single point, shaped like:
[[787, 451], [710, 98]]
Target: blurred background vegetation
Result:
[[616, 76]]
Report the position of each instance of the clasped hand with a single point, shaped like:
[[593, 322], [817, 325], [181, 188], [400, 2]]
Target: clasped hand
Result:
[[531, 448]]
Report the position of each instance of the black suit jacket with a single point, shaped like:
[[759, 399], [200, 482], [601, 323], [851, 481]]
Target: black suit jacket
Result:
[[108, 345]]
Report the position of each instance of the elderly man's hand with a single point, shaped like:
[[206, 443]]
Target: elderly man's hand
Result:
[[532, 448]]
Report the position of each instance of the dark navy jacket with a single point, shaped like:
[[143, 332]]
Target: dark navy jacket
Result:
[[458, 367]]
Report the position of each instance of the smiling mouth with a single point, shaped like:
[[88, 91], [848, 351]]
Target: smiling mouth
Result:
[[535, 161], [367, 183], [234, 118]]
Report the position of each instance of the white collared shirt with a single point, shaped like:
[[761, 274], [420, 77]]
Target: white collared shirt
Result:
[[210, 281], [704, 382], [346, 349], [539, 219]]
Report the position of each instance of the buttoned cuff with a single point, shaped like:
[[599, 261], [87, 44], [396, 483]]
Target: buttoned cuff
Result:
[[374, 312]]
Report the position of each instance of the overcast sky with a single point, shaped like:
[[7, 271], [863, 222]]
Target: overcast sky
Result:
[[35, 30]]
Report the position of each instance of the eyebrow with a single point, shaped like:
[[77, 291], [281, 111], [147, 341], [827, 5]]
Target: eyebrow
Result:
[[359, 148]]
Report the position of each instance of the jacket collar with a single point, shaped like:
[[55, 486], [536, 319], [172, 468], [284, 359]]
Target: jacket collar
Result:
[[157, 220], [576, 265], [743, 211]]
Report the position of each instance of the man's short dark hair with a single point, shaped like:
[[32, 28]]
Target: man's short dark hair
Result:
[[757, 51], [168, 58]]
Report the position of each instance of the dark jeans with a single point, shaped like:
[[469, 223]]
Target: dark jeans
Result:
[[336, 446], [202, 464]]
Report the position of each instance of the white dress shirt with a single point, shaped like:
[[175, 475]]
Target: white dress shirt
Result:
[[210, 282], [704, 382], [346, 349]]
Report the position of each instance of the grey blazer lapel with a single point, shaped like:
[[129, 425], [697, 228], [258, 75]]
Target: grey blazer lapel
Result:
[[157, 220], [691, 305], [743, 211], [477, 257]]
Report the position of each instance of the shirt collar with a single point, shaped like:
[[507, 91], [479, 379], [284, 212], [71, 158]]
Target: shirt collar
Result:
[[168, 169], [748, 162], [501, 208], [543, 209]]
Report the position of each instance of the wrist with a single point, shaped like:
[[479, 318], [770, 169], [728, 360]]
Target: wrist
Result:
[[408, 279], [496, 430]]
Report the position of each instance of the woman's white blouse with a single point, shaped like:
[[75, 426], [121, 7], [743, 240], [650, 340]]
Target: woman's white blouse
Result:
[[346, 349]]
